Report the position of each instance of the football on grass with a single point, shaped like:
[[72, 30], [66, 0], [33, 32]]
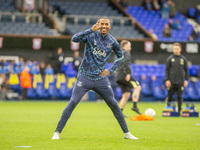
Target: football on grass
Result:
[[150, 112]]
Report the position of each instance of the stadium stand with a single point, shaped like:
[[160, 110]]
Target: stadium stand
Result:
[[12, 21], [50, 86], [79, 7], [78, 18], [24, 28], [18, 23], [152, 20], [7, 6], [118, 29]]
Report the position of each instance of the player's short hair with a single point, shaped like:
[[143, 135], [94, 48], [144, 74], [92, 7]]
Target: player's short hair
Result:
[[123, 43], [177, 44], [104, 17]]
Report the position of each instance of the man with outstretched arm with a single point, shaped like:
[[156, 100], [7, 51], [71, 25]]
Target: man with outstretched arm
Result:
[[92, 74]]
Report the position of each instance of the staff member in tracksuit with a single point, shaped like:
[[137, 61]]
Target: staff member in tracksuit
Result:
[[124, 79], [176, 74]]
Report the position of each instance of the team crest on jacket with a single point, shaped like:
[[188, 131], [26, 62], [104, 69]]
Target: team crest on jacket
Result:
[[80, 83], [172, 60], [95, 42], [109, 45], [181, 61]]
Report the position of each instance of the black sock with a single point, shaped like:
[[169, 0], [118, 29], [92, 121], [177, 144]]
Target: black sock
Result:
[[135, 104]]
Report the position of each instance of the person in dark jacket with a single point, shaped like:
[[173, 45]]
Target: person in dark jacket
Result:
[[176, 74], [124, 79], [77, 60], [56, 60]]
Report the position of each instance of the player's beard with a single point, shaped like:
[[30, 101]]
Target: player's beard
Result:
[[104, 31]]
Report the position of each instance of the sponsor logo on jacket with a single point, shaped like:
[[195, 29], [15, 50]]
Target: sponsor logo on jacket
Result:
[[99, 52]]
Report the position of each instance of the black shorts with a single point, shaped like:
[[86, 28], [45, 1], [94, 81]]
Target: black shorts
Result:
[[127, 86]]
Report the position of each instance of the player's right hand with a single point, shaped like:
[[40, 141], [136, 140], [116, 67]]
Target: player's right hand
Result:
[[168, 83], [128, 77], [96, 26]]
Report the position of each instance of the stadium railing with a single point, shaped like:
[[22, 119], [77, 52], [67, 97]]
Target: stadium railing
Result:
[[33, 17], [122, 21]]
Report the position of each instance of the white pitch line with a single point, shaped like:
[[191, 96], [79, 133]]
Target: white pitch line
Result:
[[24, 146]]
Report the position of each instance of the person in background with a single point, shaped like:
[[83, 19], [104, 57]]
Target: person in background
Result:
[[35, 69], [56, 59], [147, 5], [19, 65], [30, 64], [124, 79], [199, 74], [49, 69], [21, 61], [195, 34], [177, 25], [76, 60], [25, 81], [165, 9], [59, 59], [4, 86], [172, 11], [42, 68], [124, 4], [176, 74], [171, 23], [154, 36], [155, 5], [12, 67], [166, 31], [4, 67]]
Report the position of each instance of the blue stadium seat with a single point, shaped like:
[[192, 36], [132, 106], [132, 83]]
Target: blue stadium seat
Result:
[[31, 93], [153, 20], [193, 70], [159, 90], [197, 86], [40, 91], [192, 91], [198, 18], [185, 95], [63, 92], [136, 75], [118, 93], [51, 91], [69, 70], [146, 87], [191, 12], [16, 88]]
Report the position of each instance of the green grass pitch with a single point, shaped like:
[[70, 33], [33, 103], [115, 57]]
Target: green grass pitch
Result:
[[92, 126]]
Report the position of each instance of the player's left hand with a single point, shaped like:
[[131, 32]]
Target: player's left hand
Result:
[[105, 73], [185, 84]]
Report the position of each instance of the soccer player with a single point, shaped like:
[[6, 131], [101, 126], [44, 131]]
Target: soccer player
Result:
[[124, 79], [176, 74], [92, 74]]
